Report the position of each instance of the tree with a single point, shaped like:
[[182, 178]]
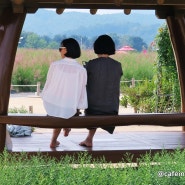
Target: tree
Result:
[[137, 43], [166, 86], [117, 39], [32, 41], [168, 91]]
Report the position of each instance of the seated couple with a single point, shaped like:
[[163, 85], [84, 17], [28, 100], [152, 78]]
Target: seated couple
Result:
[[70, 87]]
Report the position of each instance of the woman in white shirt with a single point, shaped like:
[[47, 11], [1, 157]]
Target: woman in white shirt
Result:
[[64, 92]]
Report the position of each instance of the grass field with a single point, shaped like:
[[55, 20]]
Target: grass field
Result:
[[162, 169], [31, 65]]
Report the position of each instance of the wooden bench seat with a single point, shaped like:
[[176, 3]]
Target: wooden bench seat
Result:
[[43, 121]]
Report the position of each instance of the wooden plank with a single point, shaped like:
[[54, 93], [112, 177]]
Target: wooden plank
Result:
[[113, 147], [122, 2], [114, 156], [96, 4], [172, 119]]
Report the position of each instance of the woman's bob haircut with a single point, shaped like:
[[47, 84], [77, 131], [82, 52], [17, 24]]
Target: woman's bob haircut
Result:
[[104, 45], [72, 47]]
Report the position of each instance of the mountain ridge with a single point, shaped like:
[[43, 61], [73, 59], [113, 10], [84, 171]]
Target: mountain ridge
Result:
[[46, 22]]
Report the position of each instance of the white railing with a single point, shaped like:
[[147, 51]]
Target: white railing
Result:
[[37, 93], [133, 82], [38, 90]]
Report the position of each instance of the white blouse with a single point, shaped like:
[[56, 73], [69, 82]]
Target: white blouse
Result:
[[65, 88]]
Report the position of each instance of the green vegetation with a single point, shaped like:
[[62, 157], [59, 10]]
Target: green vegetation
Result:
[[140, 97], [31, 65], [161, 169], [161, 92], [137, 65], [168, 91], [21, 109], [156, 87], [32, 40]]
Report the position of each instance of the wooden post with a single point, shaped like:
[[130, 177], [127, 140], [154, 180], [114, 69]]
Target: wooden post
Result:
[[10, 30], [30, 109], [176, 27], [133, 82], [38, 89]]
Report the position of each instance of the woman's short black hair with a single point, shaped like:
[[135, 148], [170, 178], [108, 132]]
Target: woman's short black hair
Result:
[[73, 48], [104, 45]]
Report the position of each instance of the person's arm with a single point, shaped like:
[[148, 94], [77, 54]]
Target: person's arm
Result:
[[121, 69], [49, 76], [83, 96]]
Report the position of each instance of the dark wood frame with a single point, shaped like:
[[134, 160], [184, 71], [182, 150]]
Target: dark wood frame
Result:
[[12, 16]]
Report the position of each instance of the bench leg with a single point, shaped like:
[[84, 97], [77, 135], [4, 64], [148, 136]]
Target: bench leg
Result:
[[2, 137], [10, 29], [176, 27]]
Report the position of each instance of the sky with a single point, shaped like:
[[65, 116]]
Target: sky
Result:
[[110, 11]]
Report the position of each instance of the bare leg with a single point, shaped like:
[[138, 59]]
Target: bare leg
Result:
[[66, 131], [54, 143], [88, 142]]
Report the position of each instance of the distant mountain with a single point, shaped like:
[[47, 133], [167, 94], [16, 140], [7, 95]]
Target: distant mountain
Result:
[[47, 22]]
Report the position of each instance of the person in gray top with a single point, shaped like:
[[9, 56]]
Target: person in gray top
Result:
[[103, 84]]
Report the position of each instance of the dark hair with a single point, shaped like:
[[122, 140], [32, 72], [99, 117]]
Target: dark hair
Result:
[[73, 48], [104, 45]]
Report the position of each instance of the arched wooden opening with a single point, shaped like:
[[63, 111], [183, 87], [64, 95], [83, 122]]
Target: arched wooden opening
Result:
[[12, 16]]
